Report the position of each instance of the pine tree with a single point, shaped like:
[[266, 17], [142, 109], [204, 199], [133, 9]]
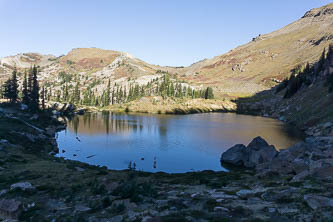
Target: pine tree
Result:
[[1, 90], [107, 95], [46, 94], [34, 94], [321, 61], [49, 94], [14, 86], [25, 92], [58, 96], [43, 98], [120, 95], [11, 87], [65, 93], [30, 77], [125, 94], [112, 97], [7, 89], [209, 93], [76, 94], [172, 90]]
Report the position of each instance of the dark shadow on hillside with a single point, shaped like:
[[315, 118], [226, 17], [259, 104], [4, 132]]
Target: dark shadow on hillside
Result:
[[302, 77]]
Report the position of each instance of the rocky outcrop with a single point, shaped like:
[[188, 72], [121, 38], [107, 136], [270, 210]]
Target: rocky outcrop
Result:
[[313, 157], [257, 152], [325, 10]]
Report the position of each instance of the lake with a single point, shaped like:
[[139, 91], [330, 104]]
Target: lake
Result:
[[168, 143]]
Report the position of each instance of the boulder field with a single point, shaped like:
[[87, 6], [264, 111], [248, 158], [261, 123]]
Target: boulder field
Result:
[[311, 158]]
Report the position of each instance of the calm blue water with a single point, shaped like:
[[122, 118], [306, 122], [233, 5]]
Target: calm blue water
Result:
[[169, 143]]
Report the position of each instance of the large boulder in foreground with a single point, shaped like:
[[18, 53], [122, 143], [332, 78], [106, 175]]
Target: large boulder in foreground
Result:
[[257, 152]]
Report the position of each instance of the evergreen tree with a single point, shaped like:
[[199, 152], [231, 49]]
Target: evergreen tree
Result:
[[209, 93], [43, 98], [14, 86], [1, 91], [107, 95], [49, 94], [112, 97], [65, 93], [58, 96], [121, 95], [25, 92], [172, 90], [30, 77], [34, 94], [321, 61], [11, 88], [7, 89], [76, 94]]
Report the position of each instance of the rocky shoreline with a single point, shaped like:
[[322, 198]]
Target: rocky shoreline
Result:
[[311, 158]]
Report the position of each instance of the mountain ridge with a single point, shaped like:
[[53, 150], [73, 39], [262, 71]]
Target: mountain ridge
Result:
[[244, 70]]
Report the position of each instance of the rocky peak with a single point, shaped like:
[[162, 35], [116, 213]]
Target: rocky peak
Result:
[[325, 10]]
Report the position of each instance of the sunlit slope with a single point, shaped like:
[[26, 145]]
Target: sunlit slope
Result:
[[267, 58]]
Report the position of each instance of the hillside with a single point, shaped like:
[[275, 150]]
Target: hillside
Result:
[[258, 65], [268, 58], [304, 100]]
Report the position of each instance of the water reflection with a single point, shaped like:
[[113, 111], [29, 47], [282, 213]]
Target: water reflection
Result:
[[112, 123], [174, 143]]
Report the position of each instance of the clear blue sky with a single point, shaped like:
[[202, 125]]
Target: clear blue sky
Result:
[[169, 32]]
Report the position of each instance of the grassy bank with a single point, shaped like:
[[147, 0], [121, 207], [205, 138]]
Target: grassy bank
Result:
[[158, 105]]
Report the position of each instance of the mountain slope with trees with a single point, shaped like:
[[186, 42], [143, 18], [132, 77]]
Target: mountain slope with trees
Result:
[[98, 77]]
